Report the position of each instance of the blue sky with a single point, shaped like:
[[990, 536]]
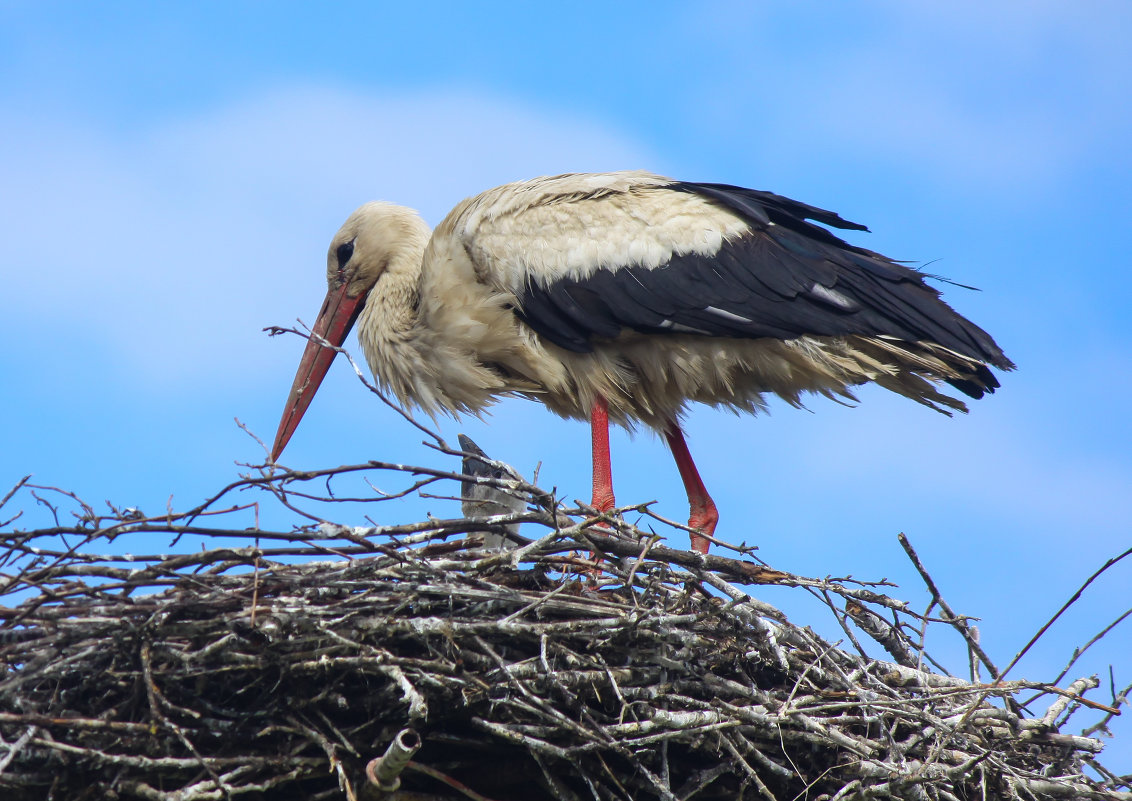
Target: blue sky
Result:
[[170, 177]]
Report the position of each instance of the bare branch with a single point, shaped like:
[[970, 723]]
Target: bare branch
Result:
[[274, 662]]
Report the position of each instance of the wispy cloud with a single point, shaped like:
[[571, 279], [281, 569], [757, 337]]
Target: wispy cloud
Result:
[[1007, 97], [176, 243]]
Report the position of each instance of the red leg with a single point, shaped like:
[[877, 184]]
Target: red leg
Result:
[[704, 515], [603, 473]]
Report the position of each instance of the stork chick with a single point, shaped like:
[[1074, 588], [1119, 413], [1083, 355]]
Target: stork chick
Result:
[[626, 296], [486, 500]]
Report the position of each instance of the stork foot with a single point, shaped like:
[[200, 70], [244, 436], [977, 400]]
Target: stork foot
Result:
[[600, 504], [703, 520]]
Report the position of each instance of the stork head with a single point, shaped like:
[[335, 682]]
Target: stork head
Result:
[[375, 239]]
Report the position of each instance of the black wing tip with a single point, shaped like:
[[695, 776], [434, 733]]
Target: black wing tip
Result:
[[973, 388], [982, 381]]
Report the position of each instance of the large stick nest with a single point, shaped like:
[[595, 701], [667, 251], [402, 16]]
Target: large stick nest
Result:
[[238, 670]]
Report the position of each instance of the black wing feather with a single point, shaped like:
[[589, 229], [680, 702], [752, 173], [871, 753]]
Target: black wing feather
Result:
[[785, 278]]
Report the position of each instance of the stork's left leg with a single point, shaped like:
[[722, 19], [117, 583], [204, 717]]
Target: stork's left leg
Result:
[[704, 515], [603, 472], [603, 500]]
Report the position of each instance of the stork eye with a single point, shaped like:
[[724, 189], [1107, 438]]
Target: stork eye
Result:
[[344, 252]]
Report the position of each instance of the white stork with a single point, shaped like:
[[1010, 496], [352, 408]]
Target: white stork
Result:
[[624, 296]]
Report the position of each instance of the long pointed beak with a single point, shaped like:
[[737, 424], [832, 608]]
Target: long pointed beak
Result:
[[339, 311]]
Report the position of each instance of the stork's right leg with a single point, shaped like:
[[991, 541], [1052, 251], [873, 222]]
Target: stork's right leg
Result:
[[704, 515], [603, 472]]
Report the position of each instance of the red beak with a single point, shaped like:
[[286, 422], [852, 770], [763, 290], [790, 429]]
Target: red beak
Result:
[[339, 311]]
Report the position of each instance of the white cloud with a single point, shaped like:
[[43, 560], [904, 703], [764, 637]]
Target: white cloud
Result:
[[175, 244]]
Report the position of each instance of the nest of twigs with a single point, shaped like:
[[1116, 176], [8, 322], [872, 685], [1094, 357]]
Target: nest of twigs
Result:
[[278, 664]]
